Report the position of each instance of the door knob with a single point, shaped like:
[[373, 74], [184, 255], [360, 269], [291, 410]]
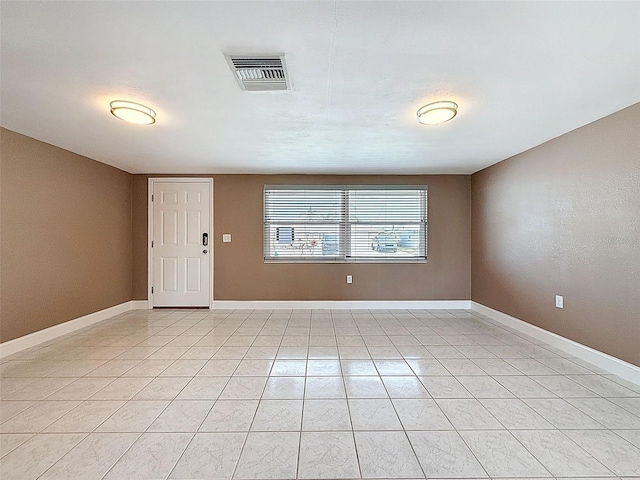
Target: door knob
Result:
[[204, 251]]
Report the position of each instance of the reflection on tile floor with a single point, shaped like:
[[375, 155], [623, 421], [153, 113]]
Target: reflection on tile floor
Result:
[[199, 394]]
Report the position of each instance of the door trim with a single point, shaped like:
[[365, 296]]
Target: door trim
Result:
[[151, 182]]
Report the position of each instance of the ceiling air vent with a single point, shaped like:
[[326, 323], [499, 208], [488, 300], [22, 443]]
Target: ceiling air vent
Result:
[[259, 73]]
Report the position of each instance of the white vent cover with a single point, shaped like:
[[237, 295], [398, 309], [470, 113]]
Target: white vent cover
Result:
[[259, 73]]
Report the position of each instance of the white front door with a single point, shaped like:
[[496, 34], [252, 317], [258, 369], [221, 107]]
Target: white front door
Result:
[[182, 242]]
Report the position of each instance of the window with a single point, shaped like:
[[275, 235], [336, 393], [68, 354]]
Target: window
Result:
[[345, 223]]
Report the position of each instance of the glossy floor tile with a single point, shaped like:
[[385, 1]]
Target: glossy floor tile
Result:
[[311, 394]]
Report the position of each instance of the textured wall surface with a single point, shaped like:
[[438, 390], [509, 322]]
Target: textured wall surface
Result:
[[241, 274], [564, 218], [65, 236]]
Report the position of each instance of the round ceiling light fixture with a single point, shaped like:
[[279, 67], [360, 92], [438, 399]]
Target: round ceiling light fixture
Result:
[[132, 112], [437, 112]]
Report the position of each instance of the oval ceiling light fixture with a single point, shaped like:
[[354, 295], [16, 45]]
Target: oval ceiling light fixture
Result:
[[437, 112], [132, 112]]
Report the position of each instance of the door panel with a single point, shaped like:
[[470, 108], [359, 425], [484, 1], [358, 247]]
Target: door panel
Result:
[[193, 271], [193, 227], [169, 274], [169, 228], [181, 264]]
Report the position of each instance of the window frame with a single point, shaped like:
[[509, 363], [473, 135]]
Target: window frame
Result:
[[344, 224]]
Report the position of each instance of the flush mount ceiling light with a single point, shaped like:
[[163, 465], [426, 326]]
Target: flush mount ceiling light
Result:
[[132, 112], [437, 112]]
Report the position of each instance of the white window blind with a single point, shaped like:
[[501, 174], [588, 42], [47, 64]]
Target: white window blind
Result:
[[345, 223]]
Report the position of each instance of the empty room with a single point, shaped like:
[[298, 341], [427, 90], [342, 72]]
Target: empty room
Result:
[[323, 239]]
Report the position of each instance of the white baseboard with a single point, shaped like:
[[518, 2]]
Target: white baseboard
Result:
[[31, 340], [140, 305], [607, 362], [341, 304]]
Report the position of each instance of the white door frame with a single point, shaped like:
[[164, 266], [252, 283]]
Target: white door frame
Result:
[[151, 183]]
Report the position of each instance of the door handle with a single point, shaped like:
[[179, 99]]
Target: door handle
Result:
[[205, 240]]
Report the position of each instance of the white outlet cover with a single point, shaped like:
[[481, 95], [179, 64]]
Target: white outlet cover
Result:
[[349, 279], [226, 238], [559, 301]]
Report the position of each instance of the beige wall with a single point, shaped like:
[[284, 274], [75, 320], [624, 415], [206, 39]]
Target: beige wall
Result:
[[564, 218], [65, 235], [241, 274]]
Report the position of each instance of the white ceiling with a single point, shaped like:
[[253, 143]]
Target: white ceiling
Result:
[[521, 72]]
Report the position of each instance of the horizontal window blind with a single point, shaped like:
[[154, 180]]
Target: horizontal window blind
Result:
[[345, 223]]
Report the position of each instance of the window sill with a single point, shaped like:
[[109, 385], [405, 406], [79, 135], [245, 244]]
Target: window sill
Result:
[[338, 261]]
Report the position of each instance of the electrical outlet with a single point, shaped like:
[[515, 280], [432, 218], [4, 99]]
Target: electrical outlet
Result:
[[559, 301], [226, 237], [349, 279]]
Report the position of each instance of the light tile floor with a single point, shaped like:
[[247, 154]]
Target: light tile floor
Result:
[[199, 394]]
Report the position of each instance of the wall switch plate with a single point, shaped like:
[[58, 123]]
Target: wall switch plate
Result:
[[226, 238], [349, 279], [559, 301]]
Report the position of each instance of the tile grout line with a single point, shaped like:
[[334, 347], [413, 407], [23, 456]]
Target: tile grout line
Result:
[[63, 455], [121, 456], [344, 384], [244, 443], [304, 395]]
